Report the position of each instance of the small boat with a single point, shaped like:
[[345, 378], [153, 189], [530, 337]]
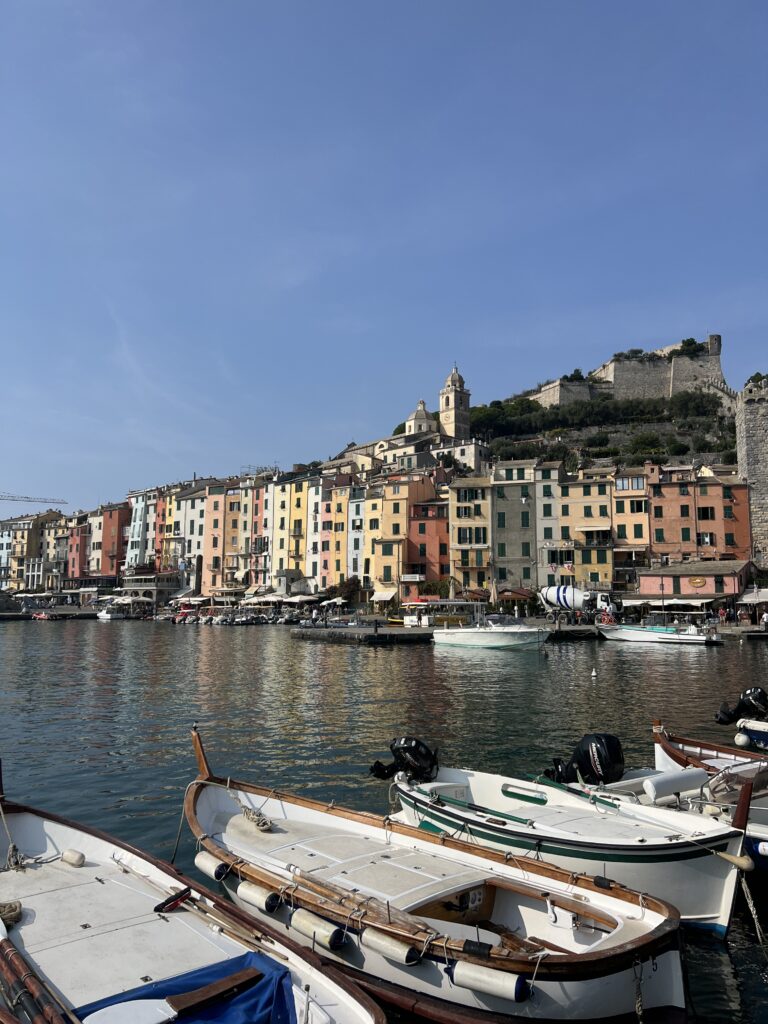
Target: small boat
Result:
[[95, 930], [491, 635], [428, 923], [691, 634], [113, 613], [703, 780], [694, 863]]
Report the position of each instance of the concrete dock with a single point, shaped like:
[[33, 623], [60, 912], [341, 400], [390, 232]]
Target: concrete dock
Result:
[[365, 636]]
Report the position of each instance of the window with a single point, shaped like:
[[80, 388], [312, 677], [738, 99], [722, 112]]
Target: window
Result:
[[500, 493], [422, 527], [727, 512], [703, 489], [520, 474], [373, 524], [637, 505], [658, 512], [730, 541], [501, 549], [395, 529], [395, 507], [465, 579], [443, 549], [620, 507], [477, 510], [526, 572], [481, 535], [587, 490], [565, 510], [547, 492], [509, 474], [386, 549], [705, 539], [603, 511], [422, 550], [565, 533], [685, 511], [546, 474], [525, 549], [602, 556], [685, 533], [705, 512], [525, 519], [386, 574], [656, 490], [524, 491], [502, 574], [587, 511], [637, 531], [215, 524], [501, 520], [546, 510], [565, 491], [658, 536], [621, 532], [719, 585], [547, 533], [586, 556]]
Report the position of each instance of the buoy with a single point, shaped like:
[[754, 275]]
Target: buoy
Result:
[[75, 858], [257, 896], [210, 865], [323, 932], [492, 982], [391, 948], [741, 739]]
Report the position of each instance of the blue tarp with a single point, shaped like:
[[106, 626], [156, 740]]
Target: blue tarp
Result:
[[269, 1001]]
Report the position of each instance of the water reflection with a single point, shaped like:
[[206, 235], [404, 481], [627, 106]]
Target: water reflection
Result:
[[100, 716]]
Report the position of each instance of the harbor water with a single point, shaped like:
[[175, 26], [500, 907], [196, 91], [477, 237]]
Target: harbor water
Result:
[[96, 719]]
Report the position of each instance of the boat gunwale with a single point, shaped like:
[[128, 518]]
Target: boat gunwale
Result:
[[666, 741]]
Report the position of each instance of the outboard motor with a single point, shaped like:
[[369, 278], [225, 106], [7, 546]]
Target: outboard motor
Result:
[[598, 758], [410, 756], [753, 703]]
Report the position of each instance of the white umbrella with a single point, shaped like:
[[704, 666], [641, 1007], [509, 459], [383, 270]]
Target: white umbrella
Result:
[[494, 598], [452, 590]]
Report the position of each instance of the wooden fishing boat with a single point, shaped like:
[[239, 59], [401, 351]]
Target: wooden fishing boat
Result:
[[430, 924], [96, 930], [694, 863]]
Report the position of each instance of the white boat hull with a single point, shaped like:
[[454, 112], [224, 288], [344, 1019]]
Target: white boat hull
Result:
[[657, 635], [492, 637]]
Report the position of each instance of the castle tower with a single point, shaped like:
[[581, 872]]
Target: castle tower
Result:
[[752, 452], [454, 407]]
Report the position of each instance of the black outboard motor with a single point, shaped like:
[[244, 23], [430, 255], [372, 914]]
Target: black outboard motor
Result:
[[412, 757], [753, 703], [598, 758]]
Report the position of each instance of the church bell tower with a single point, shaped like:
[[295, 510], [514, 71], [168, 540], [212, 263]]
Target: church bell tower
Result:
[[454, 407]]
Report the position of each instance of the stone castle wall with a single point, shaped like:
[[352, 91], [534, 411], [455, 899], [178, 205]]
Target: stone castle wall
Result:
[[640, 378], [752, 453]]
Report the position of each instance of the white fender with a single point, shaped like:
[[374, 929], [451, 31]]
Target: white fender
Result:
[[513, 987], [257, 896], [75, 858], [388, 946], [670, 783], [323, 932], [210, 865]]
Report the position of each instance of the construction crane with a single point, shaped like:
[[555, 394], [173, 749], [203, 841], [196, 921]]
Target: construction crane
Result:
[[39, 501]]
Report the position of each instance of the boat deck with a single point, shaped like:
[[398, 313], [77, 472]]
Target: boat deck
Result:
[[402, 876], [91, 931]]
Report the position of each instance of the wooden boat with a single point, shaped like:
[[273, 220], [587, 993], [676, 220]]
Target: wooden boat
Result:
[[653, 849], [428, 923], [105, 931], [691, 635]]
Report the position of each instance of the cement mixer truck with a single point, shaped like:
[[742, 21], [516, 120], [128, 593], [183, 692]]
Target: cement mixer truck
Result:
[[561, 604]]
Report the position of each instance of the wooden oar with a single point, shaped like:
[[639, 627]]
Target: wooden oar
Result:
[[158, 1011], [24, 985]]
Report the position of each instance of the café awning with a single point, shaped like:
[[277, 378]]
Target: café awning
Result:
[[383, 595]]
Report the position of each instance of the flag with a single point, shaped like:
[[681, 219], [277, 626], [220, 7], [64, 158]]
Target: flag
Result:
[[569, 566]]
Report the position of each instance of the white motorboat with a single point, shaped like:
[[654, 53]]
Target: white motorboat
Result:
[[691, 634], [694, 863], [431, 924], [105, 933], [491, 635]]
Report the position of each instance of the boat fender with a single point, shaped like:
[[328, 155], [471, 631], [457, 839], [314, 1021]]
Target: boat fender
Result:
[[388, 946], [257, 896], [211, 866], [323, 932], [75, 858], [762, 849], [481, 950], [601, 882], [671, 783], [513, 987], [741, 739]]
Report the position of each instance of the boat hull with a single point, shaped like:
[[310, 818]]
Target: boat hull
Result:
[[656, 635], [490, 637], [701, 885]]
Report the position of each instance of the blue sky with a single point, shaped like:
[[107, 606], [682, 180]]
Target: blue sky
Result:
[[242, 233]]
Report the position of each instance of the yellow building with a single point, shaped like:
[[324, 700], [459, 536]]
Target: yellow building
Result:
[[469, 516], [590, 496]]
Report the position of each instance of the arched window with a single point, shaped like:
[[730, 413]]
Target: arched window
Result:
[[447, 401]]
